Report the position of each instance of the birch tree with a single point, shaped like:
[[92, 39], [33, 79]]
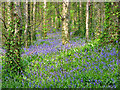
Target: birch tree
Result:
[[79, 13], [34, 14], [26, 25], [65, 34], [31, 20], [87, 18], [44, 23]]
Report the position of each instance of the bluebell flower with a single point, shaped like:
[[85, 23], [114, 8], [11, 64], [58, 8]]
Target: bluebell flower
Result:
[[83, 69], [29, 84], [54, 80], [73, 78], [112, 79], [23, 83], [81, 80], [90, 69], [96, 81], [71, 82], [75, 86], [39, 87], [114, 85]]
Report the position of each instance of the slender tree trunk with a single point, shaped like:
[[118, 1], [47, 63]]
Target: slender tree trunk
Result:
[[113, 22], [90, 21], [8, 40], [29, 28], [34, 14], [22, 11], [102, 10], [65, 34], [0, 27], [52, 22], [94, 20], [31, 20], [98, 20], [26, 25], [87, 19], [79, 17], [41, 25], [117, 21], [56, 19], [39, 15], [3, 28], [17, 46], [118, 36], [80, 14], [69, 23], [1, 44], [44, 24], [59, 22]]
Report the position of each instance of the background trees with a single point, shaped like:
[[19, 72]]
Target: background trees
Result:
[[23, 21]]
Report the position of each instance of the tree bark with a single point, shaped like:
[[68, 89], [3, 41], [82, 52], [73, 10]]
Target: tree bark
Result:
[[44, 23], [3, 28], [65, 34], [26, 25], [34, 14], [13, 41], [87, 19]]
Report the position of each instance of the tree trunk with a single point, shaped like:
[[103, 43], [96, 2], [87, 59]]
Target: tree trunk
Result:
[[59, 22], [34, 14], [98, 20], [56, 21], [26, 25], [17, 37], [65, 34], [13, 41], [3, 28], [87, 19], [41, 25], [31, 20], [8, 53], [44, 23], [80, 14]]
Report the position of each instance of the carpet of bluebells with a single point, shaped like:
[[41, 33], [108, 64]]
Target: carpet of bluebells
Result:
[[49, 64]]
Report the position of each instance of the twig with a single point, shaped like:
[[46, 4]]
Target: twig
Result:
[[4, 23]]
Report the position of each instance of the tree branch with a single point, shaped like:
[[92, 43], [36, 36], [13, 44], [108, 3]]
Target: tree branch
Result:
[[35, 22], [58, 12], [4, 23]]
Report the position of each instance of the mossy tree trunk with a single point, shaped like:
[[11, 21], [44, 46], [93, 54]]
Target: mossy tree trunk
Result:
[[13, 38]]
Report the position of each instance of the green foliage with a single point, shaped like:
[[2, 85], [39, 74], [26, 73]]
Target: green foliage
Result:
[[54, 30], [78, 56], [73, 61], [42, 42]]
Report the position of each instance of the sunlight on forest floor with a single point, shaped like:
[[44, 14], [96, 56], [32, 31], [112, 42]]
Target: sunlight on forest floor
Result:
[[52, 44]]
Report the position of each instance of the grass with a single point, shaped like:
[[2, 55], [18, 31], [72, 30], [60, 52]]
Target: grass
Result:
[[87, 66]]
